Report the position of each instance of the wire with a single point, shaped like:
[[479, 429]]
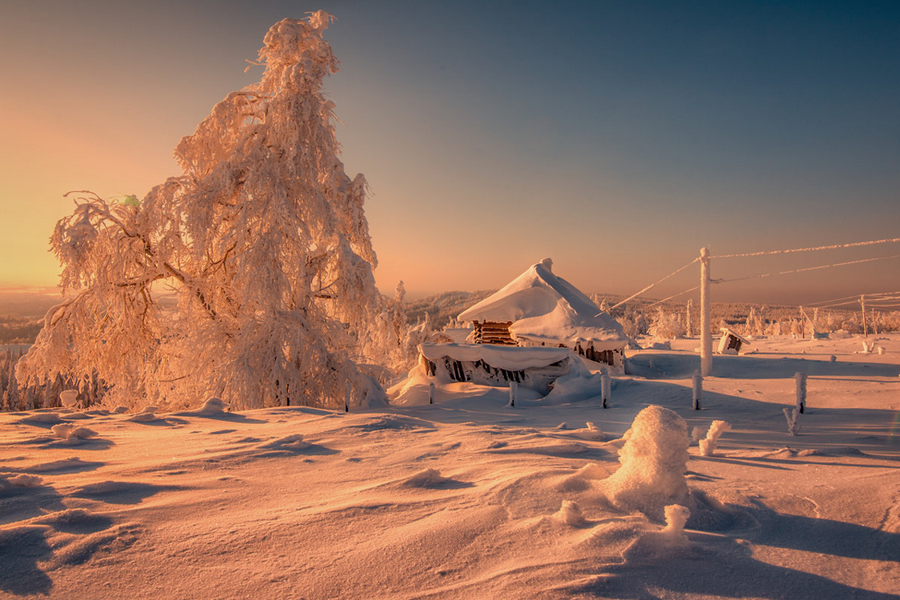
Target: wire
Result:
[[696, 287], [654, 284], [851, 262], [835, 247]]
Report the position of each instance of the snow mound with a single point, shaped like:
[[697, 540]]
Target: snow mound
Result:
[[591, 432], [570, 514], [652, 464], [144, 416], [72, 432], [26, 481], [394, 422], [291, 442], [213, 406], [576, 385], [591, 471], [427, 478]]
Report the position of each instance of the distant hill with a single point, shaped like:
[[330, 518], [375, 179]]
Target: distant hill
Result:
[[443, 307], [26, 302]]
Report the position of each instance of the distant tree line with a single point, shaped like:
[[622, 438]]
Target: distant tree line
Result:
[[19, 330]]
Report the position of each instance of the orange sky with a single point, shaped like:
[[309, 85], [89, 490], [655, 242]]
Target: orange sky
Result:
[[618, 146]]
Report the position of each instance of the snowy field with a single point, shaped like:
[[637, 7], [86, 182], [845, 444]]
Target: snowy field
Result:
[[468, 498]]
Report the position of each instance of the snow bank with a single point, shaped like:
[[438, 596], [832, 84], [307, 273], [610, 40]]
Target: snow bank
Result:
[[652, 464]]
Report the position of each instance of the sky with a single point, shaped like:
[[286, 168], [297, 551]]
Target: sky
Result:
[[617, 138]]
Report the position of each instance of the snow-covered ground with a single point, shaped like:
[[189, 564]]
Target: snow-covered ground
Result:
[[468, 498]]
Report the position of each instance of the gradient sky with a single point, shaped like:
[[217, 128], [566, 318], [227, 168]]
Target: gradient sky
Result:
[[615, 137]]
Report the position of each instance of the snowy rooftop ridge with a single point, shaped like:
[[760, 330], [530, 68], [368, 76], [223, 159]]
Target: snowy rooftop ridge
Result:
[[544, 307]]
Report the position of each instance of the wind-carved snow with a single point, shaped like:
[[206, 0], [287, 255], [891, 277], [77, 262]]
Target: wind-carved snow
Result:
[[467, 499]]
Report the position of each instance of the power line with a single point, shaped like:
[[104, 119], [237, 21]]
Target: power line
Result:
[[834, 247], [851, 262], [655, 284]]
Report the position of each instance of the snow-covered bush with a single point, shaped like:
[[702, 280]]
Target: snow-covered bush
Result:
[[667, 325], [652, 464], [634, 322], [263, 240]]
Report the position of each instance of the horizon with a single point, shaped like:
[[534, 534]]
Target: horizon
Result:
[[617, 140]]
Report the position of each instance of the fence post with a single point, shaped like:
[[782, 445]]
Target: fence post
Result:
[[705, 316], [605, 387], [431, 392], [801, 390], [347, 398], [698, 390], [513, 392]]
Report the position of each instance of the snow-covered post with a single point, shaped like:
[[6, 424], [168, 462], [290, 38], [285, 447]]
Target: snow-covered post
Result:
[[513, 392], [800, 378], [705, 316], [605, 387], [431, 392], [862, 301], [698, 390], [347, 398]]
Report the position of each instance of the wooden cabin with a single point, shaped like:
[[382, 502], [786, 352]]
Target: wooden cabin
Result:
[[540, 309]]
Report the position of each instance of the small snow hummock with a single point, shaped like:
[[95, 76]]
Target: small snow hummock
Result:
[[590, 432], [570, 514], [426, 478], [652, 464], [68, 431], [213, 406], [708, 444], [24, 480], [146, 415]]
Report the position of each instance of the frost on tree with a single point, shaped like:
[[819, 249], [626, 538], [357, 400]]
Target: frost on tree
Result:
[[263, 241]]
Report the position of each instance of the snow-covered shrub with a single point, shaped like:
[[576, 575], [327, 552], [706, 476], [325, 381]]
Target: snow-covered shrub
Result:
[[667, 325], [634, 322], [652, 464]]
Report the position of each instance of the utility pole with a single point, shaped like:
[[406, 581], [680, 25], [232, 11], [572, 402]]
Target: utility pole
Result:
[[705, 316], [862, 301]]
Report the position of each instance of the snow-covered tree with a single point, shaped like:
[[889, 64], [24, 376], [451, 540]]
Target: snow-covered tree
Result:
[[667, 325], [262, 242]]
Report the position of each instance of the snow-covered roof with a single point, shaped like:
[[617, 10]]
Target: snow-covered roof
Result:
[[511, 358], [545, 308]]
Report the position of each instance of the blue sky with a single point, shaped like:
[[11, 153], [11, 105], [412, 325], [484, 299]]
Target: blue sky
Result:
[[615, 137]]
